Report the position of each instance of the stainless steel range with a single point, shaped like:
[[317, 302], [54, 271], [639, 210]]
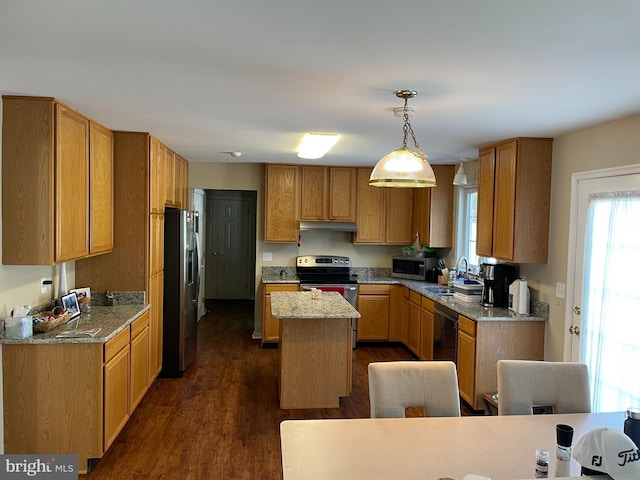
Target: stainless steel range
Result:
[[329, 273]]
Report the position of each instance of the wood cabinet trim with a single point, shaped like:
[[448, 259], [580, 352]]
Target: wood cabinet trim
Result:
[[467, 325], [374, 289], [117, 343]]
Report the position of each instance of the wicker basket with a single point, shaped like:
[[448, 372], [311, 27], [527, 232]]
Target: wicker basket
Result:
[[50, 321]]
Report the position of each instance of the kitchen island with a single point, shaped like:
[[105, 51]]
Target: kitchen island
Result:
[[315, 348]]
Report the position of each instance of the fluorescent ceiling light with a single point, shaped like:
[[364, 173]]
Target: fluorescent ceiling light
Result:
[[315, 145]]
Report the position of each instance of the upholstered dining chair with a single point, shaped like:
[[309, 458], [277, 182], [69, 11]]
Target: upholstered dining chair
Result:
[[395, 386], [523, 384]]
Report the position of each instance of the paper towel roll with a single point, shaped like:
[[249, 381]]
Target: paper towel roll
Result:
[[523, 298]]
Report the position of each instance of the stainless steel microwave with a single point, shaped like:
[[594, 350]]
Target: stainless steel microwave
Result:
[[413, 268]]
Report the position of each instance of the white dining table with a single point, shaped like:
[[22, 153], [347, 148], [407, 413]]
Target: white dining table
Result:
[[498, 447]]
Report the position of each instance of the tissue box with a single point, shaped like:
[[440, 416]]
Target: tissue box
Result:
[[18, 327]]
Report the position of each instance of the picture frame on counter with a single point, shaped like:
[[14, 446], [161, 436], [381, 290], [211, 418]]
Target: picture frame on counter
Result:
[[84, 298], [70, 304]]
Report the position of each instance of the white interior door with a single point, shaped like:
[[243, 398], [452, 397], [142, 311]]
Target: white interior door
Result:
[[603, 296]]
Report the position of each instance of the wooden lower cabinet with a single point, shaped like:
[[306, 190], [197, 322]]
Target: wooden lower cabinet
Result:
[[398, 313], [466, 358], [270, 325], [482, 344], [156, 290], [426, 329], [117, 356], [52, 399], [73, 398], [373, 305], [413, 327], [139, 381]]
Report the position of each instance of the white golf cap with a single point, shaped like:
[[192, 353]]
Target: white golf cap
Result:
[[609, 451]]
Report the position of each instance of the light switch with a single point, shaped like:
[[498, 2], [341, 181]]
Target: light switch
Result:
[[560, 290], [267, 257]]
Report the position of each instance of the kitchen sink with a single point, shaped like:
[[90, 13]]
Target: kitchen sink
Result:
[[444, 291]]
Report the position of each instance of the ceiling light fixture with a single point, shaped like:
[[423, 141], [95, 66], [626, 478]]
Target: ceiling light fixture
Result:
[[315, 145], [404, 167], [461, 177]]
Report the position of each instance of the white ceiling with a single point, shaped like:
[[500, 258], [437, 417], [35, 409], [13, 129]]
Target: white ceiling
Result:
[[213, 76]]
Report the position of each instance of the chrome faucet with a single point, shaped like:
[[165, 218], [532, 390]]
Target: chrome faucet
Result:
[[466, 267]]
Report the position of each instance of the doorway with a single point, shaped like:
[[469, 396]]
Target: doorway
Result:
[[604, 298], [230, 244]]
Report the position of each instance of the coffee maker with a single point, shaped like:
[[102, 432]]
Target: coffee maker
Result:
[[497, 278]]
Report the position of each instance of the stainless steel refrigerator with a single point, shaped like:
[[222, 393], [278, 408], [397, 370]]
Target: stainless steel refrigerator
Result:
[[181, 282]]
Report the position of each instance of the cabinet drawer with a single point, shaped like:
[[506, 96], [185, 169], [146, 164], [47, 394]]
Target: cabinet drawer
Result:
[[139, 324], [415, 297], [428, 304], [117, 343], [281, 287], [381, 289], [466, 325]]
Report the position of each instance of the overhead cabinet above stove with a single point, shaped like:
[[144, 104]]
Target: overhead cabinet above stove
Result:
[[328, 194], [300, 198]]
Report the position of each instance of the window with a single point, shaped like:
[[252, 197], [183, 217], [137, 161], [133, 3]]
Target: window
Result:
[[468, 219]]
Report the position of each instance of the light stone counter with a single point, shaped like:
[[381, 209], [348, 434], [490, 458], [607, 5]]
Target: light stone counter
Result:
[[473, 311], [111, 321], [301, 305]]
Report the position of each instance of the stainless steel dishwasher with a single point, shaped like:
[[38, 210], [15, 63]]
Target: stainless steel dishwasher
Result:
[[445, 335]]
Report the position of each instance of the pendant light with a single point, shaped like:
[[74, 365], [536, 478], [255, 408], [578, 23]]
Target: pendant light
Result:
[[461, 177], [404, 167]]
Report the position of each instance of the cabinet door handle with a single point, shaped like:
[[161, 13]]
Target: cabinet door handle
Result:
[[574, 330], [577, 310]]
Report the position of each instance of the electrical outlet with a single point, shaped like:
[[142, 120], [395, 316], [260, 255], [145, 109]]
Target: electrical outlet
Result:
[[560, 290], [43, 286], [267, 257]]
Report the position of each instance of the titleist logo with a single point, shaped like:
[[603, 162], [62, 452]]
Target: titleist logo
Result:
[[625, 456], [628, 456]]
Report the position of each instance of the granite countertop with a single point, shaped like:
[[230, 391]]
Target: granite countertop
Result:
[[301, 305], [474, 311], [111, 320]]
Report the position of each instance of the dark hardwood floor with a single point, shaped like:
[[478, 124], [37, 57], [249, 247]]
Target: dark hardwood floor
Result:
[[221, 420]]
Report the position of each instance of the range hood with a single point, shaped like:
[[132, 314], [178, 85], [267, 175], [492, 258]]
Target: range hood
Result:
[[330, 226]]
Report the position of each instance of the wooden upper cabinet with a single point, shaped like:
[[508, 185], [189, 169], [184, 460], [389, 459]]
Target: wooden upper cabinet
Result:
[[282, 203], [101, 189], [370, 216], [504, 201], [398, 216], [433, 209], [313, 193], [514, 205], [342, 194], [486, 175], [156, 175], [72, 185], [328, 193], [156, 244], [383, 215], [182, 182], [169, 177], [46, 190]]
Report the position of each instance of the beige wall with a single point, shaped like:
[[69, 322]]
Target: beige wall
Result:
[[250, 176], [607, 145]]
